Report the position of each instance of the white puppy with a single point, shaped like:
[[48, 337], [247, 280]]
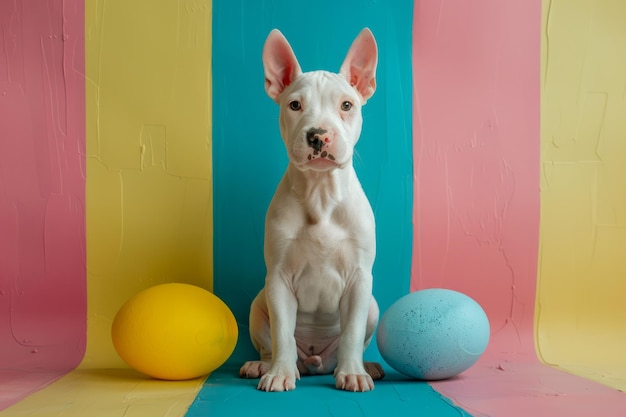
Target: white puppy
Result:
[[316, 313]]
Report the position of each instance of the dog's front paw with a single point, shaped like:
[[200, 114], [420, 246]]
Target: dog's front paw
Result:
[[254, 369], [279, 378], [354, 382], [358, 377]]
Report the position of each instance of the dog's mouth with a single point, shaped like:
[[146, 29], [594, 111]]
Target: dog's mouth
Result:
[[318, 161], [321, 164]]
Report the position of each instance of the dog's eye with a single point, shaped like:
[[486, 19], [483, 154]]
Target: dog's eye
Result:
[[346, 106], [295, 105]]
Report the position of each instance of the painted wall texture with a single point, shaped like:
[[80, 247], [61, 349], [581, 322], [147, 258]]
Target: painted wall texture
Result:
[[42, 192], [581, 287], [149, 197], [476, 158]]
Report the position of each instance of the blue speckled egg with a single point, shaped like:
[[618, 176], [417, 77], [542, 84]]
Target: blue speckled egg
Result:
[[433, 334]]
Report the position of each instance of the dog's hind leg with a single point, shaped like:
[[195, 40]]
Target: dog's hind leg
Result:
[[261, 339]]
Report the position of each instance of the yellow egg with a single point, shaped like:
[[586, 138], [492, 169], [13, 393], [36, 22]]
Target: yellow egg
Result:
[[174, 332]]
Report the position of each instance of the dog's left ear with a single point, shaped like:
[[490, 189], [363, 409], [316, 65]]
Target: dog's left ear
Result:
[[359, 66]]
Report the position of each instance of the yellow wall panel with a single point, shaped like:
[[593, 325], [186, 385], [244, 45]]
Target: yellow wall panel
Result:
[[582, 268], [149, 206]]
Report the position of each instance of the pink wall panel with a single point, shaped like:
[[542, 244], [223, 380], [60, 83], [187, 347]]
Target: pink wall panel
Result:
[[476, 152], [42, 234]]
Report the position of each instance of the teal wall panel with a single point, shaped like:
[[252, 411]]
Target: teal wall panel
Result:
[[249, 158]]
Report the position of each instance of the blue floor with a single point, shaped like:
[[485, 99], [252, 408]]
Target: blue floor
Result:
[[225, 394]]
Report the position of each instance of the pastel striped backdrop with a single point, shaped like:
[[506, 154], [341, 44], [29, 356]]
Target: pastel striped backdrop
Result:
[[137, 147]]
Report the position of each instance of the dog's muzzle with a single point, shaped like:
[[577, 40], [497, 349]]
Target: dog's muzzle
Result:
[[315, 139]]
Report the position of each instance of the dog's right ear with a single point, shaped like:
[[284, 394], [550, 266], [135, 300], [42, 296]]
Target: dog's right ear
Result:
[[280, 64]]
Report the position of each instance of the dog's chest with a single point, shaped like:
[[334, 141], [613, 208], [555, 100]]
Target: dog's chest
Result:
[[324, 244], [323, 257], [319, 233]]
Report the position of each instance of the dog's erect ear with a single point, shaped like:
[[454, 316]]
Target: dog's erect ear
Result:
[[359, 66], [280, 64]]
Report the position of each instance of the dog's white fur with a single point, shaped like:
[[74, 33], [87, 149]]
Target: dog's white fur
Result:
[[316, 313]]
